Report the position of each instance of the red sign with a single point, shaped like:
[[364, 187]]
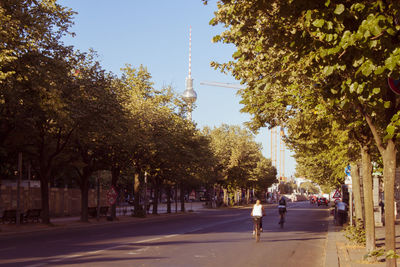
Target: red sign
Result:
[[112, 196], [337, 194]]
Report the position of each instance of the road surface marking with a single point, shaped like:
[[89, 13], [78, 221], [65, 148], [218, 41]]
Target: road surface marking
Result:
[[137, 242], [147, 240]]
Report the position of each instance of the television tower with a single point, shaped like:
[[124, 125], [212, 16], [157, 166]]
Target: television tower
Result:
[[189, 96]]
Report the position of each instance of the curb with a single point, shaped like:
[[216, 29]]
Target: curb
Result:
[[343, 253], [331, 252]]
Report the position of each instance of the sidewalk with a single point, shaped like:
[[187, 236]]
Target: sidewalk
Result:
[[74, 221], [340, 252]]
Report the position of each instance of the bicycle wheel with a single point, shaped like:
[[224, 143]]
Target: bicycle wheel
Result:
[[281, 221], [258, 232]]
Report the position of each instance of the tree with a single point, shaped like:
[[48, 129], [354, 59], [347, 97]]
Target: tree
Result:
[[349, 49], [309, 187], [239, 160]]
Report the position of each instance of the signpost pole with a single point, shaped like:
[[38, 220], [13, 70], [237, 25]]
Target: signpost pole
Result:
[[351, 205]]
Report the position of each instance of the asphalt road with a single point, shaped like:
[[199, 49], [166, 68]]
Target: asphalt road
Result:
[[206, 238]]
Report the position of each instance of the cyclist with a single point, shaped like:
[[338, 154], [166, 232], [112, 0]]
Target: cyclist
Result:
[[282, 209], [258, 211]]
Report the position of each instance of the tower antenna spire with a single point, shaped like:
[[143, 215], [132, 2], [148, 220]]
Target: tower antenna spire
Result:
[[189, 96], [190, 52]]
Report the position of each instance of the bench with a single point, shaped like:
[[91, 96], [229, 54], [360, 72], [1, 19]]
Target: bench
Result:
[[32, 215], [10, 216], [92, 211], [103, 211]]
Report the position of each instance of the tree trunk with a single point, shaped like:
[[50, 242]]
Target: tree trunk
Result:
[[389, 169], [176, 198], [156, 196], [169, 195], [368, 199], [136, 194], [225, 196], [44, 173], [182, 197], [44, 191], [355, 177], [84, 186], [115, 172]]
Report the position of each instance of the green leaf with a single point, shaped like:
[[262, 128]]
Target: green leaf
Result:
[[318, 23], [391, 31], [379, 70], [259, 48], [236, 54], [391, 62], [390, 129], [376, 90], [353, 87], [216, 38], [339, 9], [387, 104], [373, 43], [358, 7], [328, 70], [327, 3], [396, 117]]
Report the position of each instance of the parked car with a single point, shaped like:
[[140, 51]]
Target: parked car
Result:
[[322, 201], [204, 198]]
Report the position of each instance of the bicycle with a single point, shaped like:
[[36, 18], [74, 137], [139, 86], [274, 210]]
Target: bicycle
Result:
[[257, 230]]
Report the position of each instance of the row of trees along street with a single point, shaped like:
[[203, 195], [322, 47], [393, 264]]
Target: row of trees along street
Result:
[[71, 118], [320, 69]]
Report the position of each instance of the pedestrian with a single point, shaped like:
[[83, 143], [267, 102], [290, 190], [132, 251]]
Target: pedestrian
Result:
[[341, 212]]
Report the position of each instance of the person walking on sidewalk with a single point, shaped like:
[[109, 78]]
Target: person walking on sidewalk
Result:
[[341, 213], [258, 211]]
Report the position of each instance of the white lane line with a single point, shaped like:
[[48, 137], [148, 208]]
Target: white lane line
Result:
[[137, 242], [147, 240]]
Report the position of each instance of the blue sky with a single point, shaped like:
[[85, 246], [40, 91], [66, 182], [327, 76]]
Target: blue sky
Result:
[[155, 33]]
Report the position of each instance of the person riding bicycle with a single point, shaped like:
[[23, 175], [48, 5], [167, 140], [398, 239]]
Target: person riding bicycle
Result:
[[282, 209], [258, 211]]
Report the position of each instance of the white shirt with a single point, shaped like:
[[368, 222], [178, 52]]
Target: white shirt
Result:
[[257, 210]]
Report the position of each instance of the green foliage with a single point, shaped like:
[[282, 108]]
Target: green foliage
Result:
[[374, 254], [240, 163], [309, 64], [391, 254], [355, 234], [309, 187]]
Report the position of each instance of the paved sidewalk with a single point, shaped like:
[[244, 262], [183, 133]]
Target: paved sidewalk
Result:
[[74, 221], [340, 252]]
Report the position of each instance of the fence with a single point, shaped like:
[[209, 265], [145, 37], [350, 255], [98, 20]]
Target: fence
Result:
[[62, 201]]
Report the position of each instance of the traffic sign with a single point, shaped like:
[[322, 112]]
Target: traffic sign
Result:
[[112, 196], [348, 180], [337, 194], [347, 170]]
